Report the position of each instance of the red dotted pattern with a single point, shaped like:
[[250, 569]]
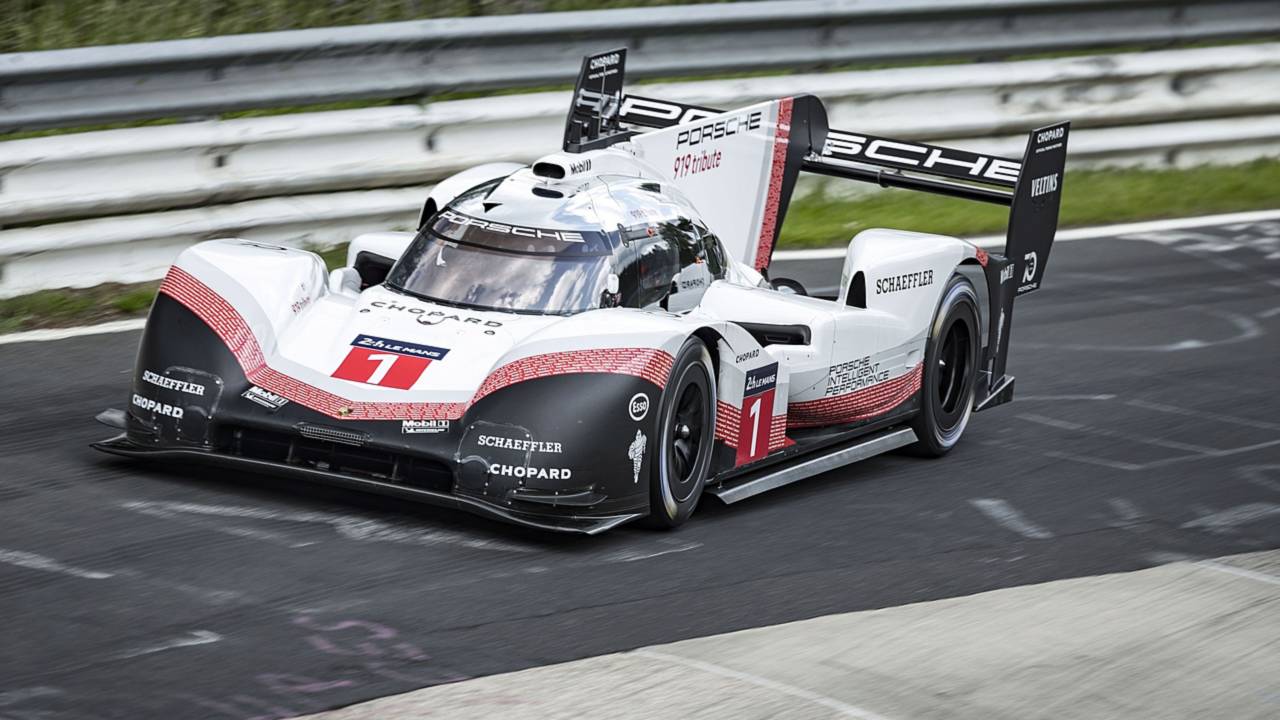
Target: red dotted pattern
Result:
[[217, 314], [222, 318], [777, 432], [651, 365], [728, 418], [769, 225], [858, 405]]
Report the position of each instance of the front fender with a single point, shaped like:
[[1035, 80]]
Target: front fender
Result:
[[572, 441]]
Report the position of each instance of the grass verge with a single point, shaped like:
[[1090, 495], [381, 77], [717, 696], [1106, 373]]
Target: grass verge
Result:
[[1091, 197], [71, 307]]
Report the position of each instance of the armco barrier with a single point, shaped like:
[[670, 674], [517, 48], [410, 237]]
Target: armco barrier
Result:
[[185, 78], [151, 168], [118, 205]]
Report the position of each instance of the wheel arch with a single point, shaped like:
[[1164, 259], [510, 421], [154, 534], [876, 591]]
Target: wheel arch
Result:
[[713, 339], [974, 272]]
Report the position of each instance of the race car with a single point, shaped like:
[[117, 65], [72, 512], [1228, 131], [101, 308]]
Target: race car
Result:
[[594, 338]]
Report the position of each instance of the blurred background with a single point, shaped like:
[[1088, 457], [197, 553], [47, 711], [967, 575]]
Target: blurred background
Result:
[[132, 128]]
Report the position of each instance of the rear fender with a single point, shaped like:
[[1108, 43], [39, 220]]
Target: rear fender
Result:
[[903, 273]]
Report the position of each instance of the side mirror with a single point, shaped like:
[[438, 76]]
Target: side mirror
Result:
[[345, 281]]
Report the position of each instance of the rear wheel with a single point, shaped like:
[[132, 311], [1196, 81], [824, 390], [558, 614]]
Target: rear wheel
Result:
[[950, 371], [685, 434]]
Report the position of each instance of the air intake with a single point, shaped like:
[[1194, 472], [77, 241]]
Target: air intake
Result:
[[333, 435], [555, 171]]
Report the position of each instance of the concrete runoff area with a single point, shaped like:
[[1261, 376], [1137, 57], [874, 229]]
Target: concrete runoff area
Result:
[[1183, 640]]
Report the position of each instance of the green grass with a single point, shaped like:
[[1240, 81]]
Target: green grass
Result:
[[62, 308], [135, 300], [1091, 197], [334, 257]]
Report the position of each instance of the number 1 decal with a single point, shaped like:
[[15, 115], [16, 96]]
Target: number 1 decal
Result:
[[755, 425], [387, 363], [757, 414]]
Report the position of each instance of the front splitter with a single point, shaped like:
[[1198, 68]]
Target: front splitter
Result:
[[121, 445]]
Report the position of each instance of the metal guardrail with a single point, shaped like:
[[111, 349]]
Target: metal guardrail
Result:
[[204, 77], [1233, 93], [119, 205]]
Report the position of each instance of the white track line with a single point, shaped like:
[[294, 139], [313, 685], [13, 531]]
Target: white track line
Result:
[[813, 254], [1125, 509], [813, 697], [1231, 518], [197, 637], [1075, 233], [1008, 517], [64, 333], [1233, 570], [33, 561], [634, 555], [351, 527]]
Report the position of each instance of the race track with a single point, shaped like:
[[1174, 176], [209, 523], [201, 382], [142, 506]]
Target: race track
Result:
[[1144, 430]]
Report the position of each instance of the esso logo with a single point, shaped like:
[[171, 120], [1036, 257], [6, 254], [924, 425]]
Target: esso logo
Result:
[[638, 407]]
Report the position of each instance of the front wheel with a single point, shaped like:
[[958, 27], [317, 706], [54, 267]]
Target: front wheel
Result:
[[686, 432], [950, 371]]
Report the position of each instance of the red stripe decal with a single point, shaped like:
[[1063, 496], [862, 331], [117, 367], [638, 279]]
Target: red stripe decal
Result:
[[858, 405], [768, 225], [230, 327]]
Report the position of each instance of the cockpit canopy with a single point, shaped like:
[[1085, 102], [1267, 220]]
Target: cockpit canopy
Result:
[[522, 245]]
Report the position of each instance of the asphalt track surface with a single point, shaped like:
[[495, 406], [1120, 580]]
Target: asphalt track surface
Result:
[[1145, 429]]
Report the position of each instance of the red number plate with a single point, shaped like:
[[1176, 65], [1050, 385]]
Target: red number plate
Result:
[[757, 414]]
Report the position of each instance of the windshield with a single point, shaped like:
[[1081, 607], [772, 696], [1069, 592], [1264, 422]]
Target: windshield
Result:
[[461, 260]]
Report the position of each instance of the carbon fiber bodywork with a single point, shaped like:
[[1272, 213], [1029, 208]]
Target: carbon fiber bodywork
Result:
[[553, 452]]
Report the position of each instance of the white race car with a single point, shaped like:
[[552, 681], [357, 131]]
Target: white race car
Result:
[[593, 339]]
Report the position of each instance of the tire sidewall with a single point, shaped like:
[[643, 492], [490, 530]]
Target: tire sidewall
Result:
[[959, 304], [665, 508]]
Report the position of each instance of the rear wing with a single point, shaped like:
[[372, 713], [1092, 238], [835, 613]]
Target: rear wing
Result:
[[603, 114], [1029, 187], [773, 142]]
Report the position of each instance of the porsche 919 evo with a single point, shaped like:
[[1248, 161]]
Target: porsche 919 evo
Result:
[[594, 338]]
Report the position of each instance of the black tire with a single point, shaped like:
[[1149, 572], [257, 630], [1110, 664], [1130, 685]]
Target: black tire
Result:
[[686, 432], [950, 371]]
